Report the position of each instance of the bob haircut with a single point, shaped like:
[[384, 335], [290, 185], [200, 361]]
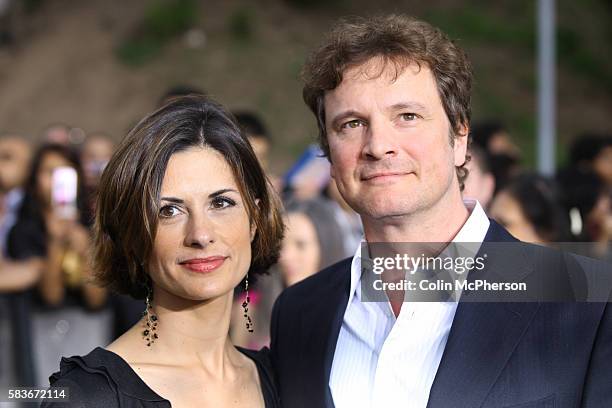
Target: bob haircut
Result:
[[128, 202]]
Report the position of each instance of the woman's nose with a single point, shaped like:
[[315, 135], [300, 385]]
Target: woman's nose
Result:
[[200, 232]]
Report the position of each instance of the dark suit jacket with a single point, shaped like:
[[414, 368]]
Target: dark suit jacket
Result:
[[498, 354]]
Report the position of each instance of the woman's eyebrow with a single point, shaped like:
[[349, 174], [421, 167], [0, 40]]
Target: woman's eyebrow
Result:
[[211, 195], [173, 200], [222, 191]]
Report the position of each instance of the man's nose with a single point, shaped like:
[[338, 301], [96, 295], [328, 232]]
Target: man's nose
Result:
[[200, 232], [381, 142]]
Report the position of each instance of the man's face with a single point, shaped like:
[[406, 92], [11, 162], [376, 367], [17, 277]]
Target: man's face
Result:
[[389, 141], [14, 163], [96, 154]]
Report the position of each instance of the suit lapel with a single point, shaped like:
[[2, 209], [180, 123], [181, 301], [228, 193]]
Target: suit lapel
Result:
[[478, 346]]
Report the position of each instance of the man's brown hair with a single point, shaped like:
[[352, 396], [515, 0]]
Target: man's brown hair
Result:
[[399, 40], [128, 202]]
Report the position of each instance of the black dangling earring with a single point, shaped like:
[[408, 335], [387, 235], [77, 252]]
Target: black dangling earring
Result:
[[150, 320], [245, 305]]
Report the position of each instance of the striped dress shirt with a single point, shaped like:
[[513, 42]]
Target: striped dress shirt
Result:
[[381, 360]]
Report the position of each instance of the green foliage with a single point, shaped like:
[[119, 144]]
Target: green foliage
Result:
[[479, 27], [304, 4], [163, 21], [241, 25], [574, 53]]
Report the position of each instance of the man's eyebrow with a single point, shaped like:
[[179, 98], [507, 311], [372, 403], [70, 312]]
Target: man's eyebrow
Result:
[[408, 105]]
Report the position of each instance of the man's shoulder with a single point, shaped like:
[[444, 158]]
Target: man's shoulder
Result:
[[566, 275], [331, 280]]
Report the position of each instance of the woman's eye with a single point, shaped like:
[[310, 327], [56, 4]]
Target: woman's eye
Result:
[[409, 116], [168, 211], [222, 202], [353, 124]]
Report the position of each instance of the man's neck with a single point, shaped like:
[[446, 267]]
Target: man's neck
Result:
[[439, 224]]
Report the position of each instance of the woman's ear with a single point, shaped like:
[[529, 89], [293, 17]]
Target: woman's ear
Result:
[[253, 226]]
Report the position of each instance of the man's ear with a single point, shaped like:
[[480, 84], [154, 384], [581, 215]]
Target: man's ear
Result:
[[460, 144]]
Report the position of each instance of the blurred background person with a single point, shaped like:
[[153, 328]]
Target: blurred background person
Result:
[[58, 245], [529, 207], [308, 177], [261, 142], [504, 155], [587, 201], [347, 219], [15, 277], [57, 133], [95, 154], [593, 153], [15, 155], [313, 240], [480, 182]]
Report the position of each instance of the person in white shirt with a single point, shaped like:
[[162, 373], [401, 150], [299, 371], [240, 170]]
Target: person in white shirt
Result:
[[391, 95]]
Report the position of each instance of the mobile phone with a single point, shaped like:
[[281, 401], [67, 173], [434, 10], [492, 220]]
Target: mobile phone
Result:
[[64, 187]]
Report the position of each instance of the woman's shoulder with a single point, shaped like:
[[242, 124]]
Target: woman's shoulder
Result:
[[101, 379], [267, 379]]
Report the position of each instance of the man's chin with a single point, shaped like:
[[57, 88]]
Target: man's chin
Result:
[[381, 212]]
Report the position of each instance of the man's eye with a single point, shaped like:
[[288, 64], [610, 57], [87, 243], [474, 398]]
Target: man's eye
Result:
[[409, 116], [168, 211], [353, 124], [222, 202]]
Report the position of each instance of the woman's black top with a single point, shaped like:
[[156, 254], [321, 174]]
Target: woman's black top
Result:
[[102, 379]]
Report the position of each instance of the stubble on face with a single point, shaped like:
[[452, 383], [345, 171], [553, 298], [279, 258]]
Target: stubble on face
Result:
[[389, 141]]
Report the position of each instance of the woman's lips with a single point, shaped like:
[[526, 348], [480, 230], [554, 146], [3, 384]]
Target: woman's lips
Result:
[[203, 265]]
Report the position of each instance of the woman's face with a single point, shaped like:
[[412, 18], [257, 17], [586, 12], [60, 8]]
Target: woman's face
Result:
[[508, 212], [49, 162], [202, 247], [300, 255]]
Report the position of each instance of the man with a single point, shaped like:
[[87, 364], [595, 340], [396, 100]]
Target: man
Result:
[[392, 100], [95, 155]]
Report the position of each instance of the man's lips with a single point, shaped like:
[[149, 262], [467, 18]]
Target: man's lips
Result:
[[382, 175], [203, 265]]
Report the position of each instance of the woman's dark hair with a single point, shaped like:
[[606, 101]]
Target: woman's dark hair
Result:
[[32, 205], [128, 201], [581, 189], [540, 200]]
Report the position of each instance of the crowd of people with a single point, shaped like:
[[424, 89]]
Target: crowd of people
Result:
[[51, 308], [51, 305]]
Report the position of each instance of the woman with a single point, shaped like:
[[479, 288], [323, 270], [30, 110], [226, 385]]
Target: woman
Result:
[[184, 215], [529, 207], [55, 245], [313, 240]]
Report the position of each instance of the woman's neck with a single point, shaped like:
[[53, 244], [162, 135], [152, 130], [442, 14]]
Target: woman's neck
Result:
[[189, 333]]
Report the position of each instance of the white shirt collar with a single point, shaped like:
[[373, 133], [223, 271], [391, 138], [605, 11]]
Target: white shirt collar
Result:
[[473, 230]]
